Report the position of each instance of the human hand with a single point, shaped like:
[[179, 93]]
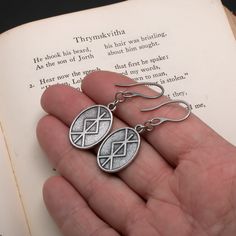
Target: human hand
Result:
[[182, 181]]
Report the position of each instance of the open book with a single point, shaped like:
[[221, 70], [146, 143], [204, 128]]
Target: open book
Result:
[[186, 46]]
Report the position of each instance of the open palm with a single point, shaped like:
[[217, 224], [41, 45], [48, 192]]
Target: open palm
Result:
[[182, 181]]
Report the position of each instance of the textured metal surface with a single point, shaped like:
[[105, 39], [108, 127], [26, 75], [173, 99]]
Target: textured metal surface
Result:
[[118, 149], [90, 126]]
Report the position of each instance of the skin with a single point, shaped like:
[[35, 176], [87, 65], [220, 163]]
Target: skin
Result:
[[182, 182]]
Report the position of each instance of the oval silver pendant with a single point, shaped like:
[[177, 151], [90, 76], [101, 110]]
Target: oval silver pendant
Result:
[[118, 149], [90, 126]]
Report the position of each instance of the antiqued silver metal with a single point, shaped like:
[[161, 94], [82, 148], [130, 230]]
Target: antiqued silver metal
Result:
[[121, 96], [130, 94], [150, 124], [160, 120], [90, 126], [118, 149]]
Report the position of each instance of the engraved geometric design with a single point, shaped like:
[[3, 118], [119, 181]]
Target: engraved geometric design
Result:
[[118, 149], [90, 126]]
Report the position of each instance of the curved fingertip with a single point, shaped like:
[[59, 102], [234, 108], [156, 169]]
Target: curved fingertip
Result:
[[103, 77], [64, 102], [52, 93], [47, 94], [41, 127], [50, 188]]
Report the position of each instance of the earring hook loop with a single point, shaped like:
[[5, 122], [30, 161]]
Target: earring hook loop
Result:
[[129, 94], [121, 96], [150, 124]]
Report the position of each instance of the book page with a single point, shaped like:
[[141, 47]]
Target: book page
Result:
[[12, 218], [187, 47]]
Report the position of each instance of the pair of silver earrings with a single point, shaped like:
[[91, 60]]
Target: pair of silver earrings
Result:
[[120, 147]]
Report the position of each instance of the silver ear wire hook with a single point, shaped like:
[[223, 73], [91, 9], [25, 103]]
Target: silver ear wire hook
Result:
[[122, 95], [129, 94], [150, 124]]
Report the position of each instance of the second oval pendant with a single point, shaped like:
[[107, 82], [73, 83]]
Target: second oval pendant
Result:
[[118, 149], [90, 126]]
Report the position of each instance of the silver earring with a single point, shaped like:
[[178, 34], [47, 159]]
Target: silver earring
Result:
[[92, 125], [120, 147]]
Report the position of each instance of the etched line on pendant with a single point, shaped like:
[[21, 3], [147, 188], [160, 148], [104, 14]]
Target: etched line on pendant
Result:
[[85, 131], [114, 153]]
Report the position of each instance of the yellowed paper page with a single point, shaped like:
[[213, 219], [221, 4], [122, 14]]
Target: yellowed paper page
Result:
[[187, 46], [12, 218]]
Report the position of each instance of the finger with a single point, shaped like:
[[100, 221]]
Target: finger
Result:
[[70, 211], [64, 102], [148, 169], [175, 141], [109, 197]]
